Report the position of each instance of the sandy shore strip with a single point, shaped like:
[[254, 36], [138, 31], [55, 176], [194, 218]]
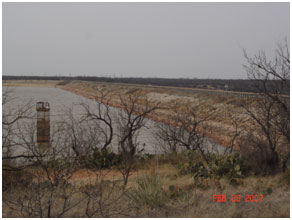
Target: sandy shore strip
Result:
[[31, 83]]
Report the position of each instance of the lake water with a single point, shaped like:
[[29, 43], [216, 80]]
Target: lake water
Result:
[[60, 100]]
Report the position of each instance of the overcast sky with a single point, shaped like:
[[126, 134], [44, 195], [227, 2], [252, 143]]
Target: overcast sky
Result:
[[193, 40]]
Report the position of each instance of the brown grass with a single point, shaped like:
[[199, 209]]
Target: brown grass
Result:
[[191, 200]]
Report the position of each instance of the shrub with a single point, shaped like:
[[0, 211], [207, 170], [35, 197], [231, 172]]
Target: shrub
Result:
[[142, 160], [268, 191], [195, 162], [55, 163], [16, 178], [230, 166], [258, 154], [101, 159], [149, 192]]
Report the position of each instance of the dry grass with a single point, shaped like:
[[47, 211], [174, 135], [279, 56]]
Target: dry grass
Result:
[[183, 198]]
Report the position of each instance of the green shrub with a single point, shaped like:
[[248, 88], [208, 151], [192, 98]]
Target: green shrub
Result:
[[193, 165], [149, 192], [56, 163], [199, 170], [101, 159], [230, 166], [268, 191], [174, 192]]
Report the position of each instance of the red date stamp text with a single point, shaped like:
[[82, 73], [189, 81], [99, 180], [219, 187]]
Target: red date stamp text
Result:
[[239, 198]]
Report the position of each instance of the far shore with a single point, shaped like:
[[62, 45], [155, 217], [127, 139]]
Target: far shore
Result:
[[31, 83]]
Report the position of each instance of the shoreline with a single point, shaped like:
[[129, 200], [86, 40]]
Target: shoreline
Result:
[[31, 83], [216, 133], [153, 116]]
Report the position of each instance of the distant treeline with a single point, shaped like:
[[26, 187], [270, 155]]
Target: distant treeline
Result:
[[240, 85]]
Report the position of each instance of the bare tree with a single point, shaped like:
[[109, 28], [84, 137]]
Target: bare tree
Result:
[[131, 119], [81, 134], [236, 133], [128, 122], [271, 112], [183, 130], [101, 115], [13, 111], [52, 191]]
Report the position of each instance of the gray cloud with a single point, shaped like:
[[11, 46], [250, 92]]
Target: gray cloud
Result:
[[202, 40]]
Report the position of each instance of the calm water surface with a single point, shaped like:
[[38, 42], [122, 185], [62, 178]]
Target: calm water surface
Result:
[[60, 100]]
